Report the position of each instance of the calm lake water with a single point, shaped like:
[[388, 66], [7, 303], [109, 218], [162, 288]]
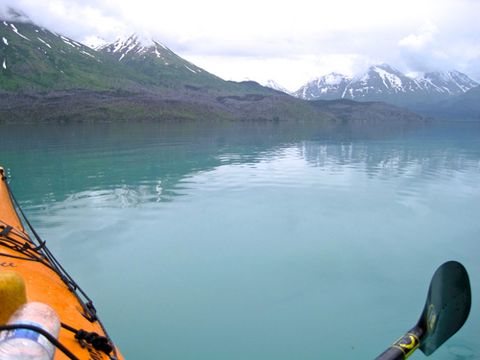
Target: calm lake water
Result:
[[255, 241]]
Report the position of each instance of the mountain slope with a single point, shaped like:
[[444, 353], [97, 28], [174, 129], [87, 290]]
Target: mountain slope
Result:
[[461, 107], [375, 112], [36, 59], [467, 105]]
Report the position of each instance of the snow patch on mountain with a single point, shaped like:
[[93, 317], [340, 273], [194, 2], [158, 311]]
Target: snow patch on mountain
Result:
[[193, 71], [125, 46], [334, 79], [44, 42], [88, 54], [161, 45], [134, 45], [70, 42], [15, 30], [133, 41], [389, 80], [94, 42], [5, 41], [272, 84], [157, 53]]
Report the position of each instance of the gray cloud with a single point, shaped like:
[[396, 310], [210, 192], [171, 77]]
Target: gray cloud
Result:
[[76, 19]]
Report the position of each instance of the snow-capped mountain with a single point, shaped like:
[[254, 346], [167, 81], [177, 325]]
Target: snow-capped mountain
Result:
[[449, 83], [327, 87], [380, 80], [157, 62], [385, 83], [272, 84], [134, 47]]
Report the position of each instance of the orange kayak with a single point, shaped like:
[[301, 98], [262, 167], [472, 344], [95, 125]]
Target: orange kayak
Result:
[[81, 332]]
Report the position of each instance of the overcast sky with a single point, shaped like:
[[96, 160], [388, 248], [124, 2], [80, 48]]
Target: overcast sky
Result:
[[290, 42]]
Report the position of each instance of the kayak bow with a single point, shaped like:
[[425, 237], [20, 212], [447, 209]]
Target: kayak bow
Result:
[[46, 281]]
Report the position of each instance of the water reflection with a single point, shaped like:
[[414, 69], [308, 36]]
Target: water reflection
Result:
[[129, 164]]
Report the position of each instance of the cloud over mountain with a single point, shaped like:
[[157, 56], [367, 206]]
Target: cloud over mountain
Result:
[[257, 37]]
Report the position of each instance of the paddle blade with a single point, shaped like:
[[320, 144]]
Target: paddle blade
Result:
[[447, 307]]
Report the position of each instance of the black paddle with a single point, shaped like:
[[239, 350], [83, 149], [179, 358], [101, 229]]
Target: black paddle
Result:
[[446, 310]]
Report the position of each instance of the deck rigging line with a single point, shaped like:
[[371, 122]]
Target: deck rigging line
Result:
[[39, 252]]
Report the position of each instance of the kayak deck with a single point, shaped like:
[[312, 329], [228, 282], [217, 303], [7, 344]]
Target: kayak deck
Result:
[[47, 282]]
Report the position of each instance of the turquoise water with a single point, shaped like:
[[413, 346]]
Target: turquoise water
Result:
[[255, 241]]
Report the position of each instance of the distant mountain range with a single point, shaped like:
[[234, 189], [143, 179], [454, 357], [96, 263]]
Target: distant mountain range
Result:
[[425, 93], [382, 82]]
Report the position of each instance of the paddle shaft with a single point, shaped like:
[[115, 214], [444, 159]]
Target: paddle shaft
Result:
[[392, 354], [403, 347]]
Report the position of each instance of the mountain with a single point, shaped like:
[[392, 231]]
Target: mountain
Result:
[[448, 83], [385, 83], [272, 84], [46, 76], [467, 105], [158, 63], [328, 87]]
